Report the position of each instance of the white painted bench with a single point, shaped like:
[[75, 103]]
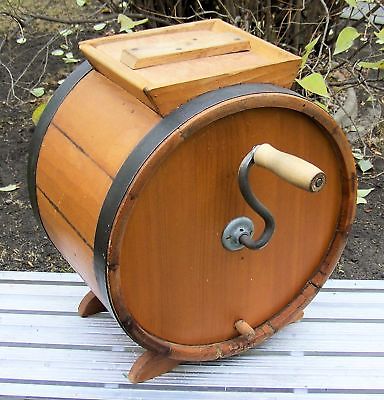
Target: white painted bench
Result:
[[48, 352]]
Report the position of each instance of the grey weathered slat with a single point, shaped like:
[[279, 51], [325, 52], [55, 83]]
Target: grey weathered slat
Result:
[[330, 295], [48, 352], [314, 339], [55, 278], [363, 284], [280, 372], [344, 306], [102, 393], [26, 289], [72, 278], [105, 321]]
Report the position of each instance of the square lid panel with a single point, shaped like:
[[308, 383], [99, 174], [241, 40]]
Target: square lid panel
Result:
[[166, 67]]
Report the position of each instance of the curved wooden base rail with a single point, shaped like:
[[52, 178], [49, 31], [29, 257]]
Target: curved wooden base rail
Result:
[[90, 305], [151, 364]]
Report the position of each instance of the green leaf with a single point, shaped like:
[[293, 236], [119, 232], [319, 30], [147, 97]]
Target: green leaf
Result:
[[365, 165], [68, 59], [372, 65], [37, 92], [127, 24], [57, 52], [352, 3], [60, 81], [81, 3], [308, 49], [65, 32], [322, 105], [361, 194], [380, 36], [357, 154], [21, 40], [37, 113], [99, 27], [360, 200], [71, 60], [364, 192], [314, 83], [345, 39], [9, 188]]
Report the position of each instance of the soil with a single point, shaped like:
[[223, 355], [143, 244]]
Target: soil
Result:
[[23, 244]]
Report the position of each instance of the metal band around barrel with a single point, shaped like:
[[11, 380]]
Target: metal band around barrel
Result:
[[143, 151], [38, 136]]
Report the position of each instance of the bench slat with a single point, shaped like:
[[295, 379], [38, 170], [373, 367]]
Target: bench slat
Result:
[[101, 393], [313, 373], [32, 277], [68, 278], [308, 337], [48, 352], [344, 305]]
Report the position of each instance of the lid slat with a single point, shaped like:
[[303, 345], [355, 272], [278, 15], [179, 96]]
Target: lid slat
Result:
[[189, 47]]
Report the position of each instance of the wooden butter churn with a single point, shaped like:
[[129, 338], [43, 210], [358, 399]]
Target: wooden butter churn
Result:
[[202, 201]]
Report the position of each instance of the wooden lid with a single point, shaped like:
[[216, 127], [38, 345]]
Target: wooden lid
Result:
[[166, 67]]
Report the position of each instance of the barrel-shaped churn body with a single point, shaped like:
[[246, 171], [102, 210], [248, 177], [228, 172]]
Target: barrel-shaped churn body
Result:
[[137, 199]]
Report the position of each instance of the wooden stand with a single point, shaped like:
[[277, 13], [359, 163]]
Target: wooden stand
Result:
[[90, 305], [149, 365]]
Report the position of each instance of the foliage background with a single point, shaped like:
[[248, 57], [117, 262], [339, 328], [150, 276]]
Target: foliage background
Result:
[[38, 49]]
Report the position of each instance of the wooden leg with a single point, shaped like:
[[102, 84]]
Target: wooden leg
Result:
[[150, 365], [90, 305], [298, 317]]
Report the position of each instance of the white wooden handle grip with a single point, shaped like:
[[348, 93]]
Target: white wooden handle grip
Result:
[[293, 169]]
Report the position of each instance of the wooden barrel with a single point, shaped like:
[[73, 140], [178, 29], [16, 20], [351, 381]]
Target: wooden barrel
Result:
[[137, 204]]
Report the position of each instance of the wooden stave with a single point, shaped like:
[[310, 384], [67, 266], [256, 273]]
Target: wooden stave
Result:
[[49, 122]]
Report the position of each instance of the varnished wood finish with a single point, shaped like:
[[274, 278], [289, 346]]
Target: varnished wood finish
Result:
[[104, 120], [170, 283], [171, 302], [85, 145], [67, 176], [150, 365], [68, 241], [187, 47], [90, 305], [165, 87]]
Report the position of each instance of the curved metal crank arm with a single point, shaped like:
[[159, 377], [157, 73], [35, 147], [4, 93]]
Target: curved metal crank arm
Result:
[[269, 223], [238, 233]]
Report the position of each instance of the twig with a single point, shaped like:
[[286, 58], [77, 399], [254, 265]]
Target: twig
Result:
[[110, 17], [367, 15], [322, 44], [229, 15], [351, 56], [372, 176], [297, 21], [12, 84], [43, 69], [178, 19], [51, 40], [351, 82]]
